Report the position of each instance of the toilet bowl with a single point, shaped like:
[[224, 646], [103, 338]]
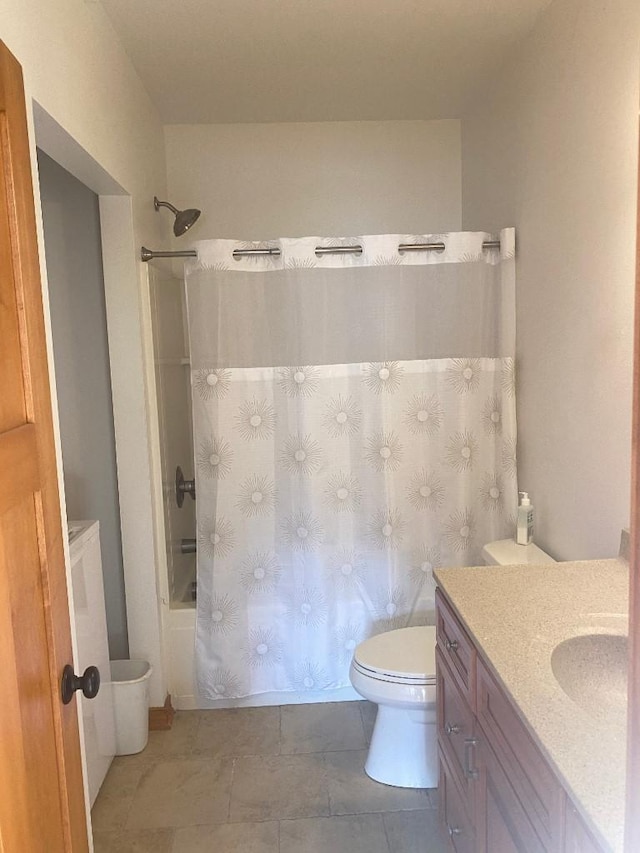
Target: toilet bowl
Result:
[[397, 671]]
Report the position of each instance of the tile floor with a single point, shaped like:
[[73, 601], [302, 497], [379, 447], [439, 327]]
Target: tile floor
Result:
[[286, 779]]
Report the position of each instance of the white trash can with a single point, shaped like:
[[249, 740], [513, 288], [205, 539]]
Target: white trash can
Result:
[[130, 684]]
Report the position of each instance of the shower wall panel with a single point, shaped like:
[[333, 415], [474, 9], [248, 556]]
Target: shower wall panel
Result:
[[171, 355]]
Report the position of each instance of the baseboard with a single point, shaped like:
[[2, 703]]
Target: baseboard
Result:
[[161, 719]]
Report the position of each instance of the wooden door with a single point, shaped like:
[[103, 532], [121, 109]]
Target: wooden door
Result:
[[42, 806]]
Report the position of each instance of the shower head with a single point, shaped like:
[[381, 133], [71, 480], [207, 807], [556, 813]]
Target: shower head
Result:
[[184, 218]]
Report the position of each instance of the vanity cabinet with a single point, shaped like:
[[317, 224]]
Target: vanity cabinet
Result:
[[497, 792]]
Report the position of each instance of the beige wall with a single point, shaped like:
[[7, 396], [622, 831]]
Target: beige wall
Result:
[[553, 151], [76, 69], [261, 181], [105, 130]]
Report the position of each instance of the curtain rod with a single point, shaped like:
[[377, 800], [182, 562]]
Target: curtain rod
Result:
[[149, 254]]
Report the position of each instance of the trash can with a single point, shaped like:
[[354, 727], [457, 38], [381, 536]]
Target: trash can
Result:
[[130, 685]]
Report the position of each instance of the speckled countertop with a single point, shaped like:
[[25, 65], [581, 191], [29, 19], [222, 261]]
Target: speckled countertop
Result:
[[516, 615]]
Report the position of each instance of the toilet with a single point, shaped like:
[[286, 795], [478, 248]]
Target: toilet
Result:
[[397, 671]]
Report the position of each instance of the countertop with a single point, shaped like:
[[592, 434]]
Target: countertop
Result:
[[516, 615]]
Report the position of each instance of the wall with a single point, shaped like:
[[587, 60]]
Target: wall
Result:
[[97, 115], [261, 181], [75, 67], [553, 150], [71, 219]]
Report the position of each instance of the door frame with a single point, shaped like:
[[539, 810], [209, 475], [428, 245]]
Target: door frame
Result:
[[124, 278], [632, 812]]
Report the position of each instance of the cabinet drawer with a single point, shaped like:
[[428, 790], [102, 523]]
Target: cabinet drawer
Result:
[[529, 774], [457, 649], [456, 725], [453, 814]]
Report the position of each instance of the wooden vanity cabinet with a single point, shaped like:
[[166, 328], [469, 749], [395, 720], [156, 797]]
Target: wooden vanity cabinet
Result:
[[497, 792]]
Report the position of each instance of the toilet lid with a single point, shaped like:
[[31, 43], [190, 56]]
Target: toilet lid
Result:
[[406, 653]]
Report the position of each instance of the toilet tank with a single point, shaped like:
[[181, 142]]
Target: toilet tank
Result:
[[505, 551]]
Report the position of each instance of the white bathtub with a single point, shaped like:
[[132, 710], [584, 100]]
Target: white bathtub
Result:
[[180, 628]]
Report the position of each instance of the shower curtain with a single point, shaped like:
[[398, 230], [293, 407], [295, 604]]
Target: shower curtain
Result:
[[354, 428]]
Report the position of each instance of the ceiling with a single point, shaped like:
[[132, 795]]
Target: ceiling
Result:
[[206, 61]]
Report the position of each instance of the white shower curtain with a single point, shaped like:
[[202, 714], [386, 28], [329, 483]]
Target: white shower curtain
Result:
[[354, 427]]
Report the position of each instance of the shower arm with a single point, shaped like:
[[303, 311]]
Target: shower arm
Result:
[[150, 254]]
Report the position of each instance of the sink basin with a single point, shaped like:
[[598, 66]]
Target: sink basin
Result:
[[592, 670]]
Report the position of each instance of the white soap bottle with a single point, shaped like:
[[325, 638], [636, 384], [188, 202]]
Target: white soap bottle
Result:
[[524, 528]]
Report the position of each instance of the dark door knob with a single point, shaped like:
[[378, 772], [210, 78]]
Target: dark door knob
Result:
[[88, 682]]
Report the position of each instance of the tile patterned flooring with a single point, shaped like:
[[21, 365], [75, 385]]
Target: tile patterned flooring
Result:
[[286, 779]]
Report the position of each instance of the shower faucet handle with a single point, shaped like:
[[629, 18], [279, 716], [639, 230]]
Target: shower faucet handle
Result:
[[184, 487], [188, 546]]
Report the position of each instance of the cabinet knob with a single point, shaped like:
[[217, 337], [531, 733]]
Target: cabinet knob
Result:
[[451, 728], [451, 645], [453, 830]]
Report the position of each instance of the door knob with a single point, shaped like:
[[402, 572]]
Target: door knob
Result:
[[88, 682]]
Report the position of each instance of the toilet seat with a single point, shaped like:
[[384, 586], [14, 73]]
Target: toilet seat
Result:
[[402, 656]]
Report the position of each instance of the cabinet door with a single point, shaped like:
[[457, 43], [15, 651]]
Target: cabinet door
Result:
[[577, 838], [502, 825], [453, 813], [533, 781]]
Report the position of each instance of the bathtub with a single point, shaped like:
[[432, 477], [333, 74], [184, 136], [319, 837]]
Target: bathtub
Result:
[[180, 634]]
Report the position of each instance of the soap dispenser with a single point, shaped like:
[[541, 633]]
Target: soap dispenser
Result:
[[524, 528]]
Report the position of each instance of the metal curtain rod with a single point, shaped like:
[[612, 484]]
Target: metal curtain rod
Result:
[[149, 254]]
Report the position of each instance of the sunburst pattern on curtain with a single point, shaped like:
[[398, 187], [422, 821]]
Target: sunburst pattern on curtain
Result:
[[317, 537]]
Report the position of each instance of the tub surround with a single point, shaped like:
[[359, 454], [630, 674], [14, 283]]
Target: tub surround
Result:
[[516, 615]]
